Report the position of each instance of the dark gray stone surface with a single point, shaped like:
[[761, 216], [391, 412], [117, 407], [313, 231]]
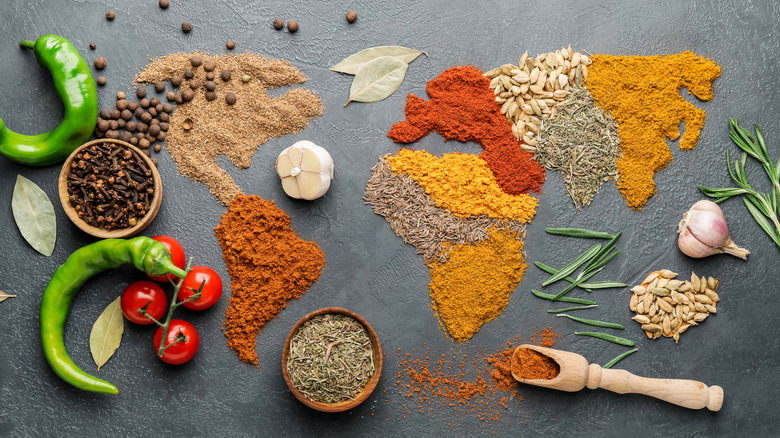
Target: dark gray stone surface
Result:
[[368, 269]]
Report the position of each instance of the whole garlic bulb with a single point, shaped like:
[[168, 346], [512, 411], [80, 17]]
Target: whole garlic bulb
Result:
[[703, 232], [305, 169]]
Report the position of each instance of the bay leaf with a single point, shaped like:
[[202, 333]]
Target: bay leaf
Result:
[[377, 79], [4, 296], [106, 333], [353, 63], [34, 215]]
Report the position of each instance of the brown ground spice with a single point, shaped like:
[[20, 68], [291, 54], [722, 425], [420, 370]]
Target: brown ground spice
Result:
[[235, 131], [268, 264], [530, 364]]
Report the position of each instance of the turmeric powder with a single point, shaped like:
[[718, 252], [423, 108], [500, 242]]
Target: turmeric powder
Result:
[[643, 95], [463, 184], [473, 286]]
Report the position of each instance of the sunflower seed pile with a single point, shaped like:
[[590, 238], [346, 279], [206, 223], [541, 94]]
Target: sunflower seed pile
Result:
[[666, 306], [535, 88]]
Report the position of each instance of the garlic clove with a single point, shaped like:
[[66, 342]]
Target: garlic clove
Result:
[[305, 169]]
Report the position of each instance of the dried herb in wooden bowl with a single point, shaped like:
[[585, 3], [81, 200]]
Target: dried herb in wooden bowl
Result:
[[330, 358]]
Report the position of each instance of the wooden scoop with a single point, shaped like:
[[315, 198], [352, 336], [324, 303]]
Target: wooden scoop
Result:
[[575, 374]]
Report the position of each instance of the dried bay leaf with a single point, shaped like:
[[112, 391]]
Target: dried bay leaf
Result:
[[353, 63], [106, 333], [34, 215], [377, 79], [4, 296]]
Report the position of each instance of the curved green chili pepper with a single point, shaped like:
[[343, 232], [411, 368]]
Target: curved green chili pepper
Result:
[[76, 88], [146, 254]]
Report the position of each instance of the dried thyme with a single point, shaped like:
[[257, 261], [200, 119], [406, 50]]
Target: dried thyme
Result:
[[581, 142], [331, 358], [414, 216]]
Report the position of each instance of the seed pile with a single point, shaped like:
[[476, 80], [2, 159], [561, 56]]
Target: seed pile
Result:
[[142, 123], [535, 88], [666, 306], [581, 142], [233, 121], [414, 216], [331, 358], [110, 186]]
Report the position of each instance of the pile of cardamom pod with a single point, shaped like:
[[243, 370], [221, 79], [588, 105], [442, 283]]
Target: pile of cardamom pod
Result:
[[535, 87]]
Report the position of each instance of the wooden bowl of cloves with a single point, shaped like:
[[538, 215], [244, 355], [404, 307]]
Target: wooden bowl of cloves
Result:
[[332, 360], [110, 189]]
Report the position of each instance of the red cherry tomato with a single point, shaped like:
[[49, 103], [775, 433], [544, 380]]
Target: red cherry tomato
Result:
[[212, 289], [177, 256], [138, 295], [183, 340]]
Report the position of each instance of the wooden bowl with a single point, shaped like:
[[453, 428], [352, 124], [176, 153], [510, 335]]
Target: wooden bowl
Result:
[[121, 232], [367, 390]]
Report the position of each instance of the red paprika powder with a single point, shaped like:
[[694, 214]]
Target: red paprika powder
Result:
[[462, 107]]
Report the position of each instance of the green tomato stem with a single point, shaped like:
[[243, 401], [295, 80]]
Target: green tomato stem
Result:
[[172, 307]]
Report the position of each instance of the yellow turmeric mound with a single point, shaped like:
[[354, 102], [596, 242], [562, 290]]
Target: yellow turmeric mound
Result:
[[463, 184], [473, 287], [643, 95]]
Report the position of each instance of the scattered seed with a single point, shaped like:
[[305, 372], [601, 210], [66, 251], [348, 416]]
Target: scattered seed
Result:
[[246, 78], [164, 4], [92, 46], [292, 26], [186, 27], [100, 63], [351, 16], [230, 45], [278, 24], [110, 15], [101, 80]]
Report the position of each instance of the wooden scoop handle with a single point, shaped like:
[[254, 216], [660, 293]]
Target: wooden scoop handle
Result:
[[686, 393]]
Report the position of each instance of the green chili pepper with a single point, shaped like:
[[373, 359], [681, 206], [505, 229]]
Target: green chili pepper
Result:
[[76, 88], [144, 253]]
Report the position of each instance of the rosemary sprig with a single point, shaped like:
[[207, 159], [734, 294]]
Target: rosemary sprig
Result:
[[765, 208]]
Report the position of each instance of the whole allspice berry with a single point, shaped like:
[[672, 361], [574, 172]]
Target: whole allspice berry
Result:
[[209, 65], [187, 94], [100, 63], [176, 80], [101, 80], [292, 26], [230, 98], [110, 15], [230, 45], [210, 95], [159, 86], [196, 60], [351, 16], [164, 4], [92, 46], [225, 75], [170, 96], [186, 27], [140, 92], [278, 24]]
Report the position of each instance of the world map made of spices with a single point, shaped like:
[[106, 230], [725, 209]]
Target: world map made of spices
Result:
[[466, 214]]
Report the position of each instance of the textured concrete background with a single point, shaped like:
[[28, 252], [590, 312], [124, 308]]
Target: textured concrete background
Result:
[[368, 269]]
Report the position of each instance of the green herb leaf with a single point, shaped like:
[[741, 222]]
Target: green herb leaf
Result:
[[607, 337], [4, 296], [106, 333], [579, 232], [594, 322], [34, 215], [571, 267], [568, 309], [612, 363], [547, 296], [377, 79], [353, 63]]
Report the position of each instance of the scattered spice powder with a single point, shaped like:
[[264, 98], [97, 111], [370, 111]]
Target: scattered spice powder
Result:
[[643, 95], [268, 265], [463, 108], [530, 364], [581, 142], [473, 287], [480, 384], [414, 216], [463, 184], [235, 131]]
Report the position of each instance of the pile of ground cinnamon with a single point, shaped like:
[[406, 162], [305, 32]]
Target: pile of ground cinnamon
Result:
[[268, 264], [235, 131]]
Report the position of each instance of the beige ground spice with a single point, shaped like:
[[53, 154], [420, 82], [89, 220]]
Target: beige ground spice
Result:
[[235, 131]]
